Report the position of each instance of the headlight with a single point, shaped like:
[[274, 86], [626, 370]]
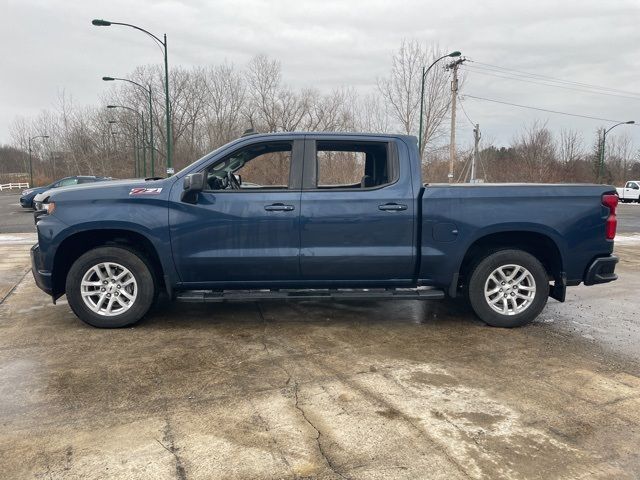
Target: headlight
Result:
[[49, 208]]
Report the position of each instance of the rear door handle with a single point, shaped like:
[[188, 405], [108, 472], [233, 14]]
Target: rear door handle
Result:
[[392, 207], [279, 207]]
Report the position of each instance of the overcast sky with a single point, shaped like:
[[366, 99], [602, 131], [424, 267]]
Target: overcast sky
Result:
[[47, 46]]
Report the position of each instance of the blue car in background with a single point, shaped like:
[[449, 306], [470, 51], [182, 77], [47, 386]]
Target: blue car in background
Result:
[[26, 199]]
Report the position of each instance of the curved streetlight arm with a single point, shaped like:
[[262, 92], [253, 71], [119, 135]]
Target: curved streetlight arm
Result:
[[35, 138], [604, 139], [127, 108], [126, 80], [424, 75], [630, 122], [106, 23], [140, 117]]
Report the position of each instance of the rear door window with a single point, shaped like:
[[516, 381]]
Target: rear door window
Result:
[[353, 165]]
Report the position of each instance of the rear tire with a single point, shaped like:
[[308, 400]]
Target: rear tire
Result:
[[110, 287], [508, 288]]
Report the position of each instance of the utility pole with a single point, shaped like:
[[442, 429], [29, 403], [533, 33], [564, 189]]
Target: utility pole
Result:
[[476, 153], [454, 94]]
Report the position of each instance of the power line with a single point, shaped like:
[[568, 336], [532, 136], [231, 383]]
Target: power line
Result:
[[465, 113], [542, 109], [554, 79], [565, 87]]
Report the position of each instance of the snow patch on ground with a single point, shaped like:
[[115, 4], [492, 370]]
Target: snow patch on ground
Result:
[[632, 239], [18, 238]]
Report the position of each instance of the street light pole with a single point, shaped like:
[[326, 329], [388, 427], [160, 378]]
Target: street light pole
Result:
[[134, 145], [31, 158], [604, 138], [424, 76], [148, 92], [168, 109], [144, 155], [163, 44]]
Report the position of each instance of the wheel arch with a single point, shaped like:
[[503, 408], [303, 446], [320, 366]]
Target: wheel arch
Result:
[[78, 243], [539, 244]]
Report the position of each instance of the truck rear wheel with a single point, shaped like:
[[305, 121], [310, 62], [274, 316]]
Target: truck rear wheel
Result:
[[508, 288], [110, 287]]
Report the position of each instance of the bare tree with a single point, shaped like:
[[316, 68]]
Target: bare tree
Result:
[[263, 77], [619, 155], [570, 146], [401, 91], [226, 96], [370, 114], [535, 151]]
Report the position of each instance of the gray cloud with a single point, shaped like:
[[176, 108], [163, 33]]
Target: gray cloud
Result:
[[50, 46]]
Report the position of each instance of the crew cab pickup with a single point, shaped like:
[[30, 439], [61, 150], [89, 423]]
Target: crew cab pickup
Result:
[[320, 215], [630, 192]]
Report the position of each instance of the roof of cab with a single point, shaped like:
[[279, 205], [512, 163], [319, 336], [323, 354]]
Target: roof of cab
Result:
[[329, 134]]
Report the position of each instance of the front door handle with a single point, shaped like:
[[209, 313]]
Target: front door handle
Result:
[[279, 207], [392, 207]]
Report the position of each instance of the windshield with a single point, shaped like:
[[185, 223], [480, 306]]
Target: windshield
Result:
[[210, 154]]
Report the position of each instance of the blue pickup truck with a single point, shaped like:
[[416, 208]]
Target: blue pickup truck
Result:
[[320, 215]]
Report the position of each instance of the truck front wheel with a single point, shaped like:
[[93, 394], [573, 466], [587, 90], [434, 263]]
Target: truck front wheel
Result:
[[508, 288], [110, 287]]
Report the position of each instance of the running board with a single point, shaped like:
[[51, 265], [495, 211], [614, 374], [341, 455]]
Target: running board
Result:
[[422, 293]]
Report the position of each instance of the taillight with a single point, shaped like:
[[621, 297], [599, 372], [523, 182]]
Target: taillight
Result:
[[610, 201]]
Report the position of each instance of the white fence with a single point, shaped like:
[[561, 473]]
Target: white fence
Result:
[[11, 186]]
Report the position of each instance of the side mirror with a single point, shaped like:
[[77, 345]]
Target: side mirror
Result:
[[192, 185]]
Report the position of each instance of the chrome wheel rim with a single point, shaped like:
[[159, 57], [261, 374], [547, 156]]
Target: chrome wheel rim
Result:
[[510, 289], [108, 289]]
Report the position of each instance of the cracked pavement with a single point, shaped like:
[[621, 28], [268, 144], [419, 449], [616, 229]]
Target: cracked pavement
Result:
[[320, 389]]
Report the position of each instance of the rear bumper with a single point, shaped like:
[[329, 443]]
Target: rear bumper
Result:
[[42, 277], [601, 270]]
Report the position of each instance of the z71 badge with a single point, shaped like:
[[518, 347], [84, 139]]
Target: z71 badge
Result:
[[145, 191]]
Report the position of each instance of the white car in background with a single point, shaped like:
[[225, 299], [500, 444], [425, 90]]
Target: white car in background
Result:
[[630, 192]]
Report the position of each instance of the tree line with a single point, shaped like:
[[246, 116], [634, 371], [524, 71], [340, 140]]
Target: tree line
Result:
[[215, 104]]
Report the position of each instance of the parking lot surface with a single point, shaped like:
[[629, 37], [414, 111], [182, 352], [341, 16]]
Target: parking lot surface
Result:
[[14, 218], [396, 389]]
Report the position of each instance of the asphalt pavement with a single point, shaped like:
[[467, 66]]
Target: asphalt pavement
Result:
[[319, 390], [14, 218]]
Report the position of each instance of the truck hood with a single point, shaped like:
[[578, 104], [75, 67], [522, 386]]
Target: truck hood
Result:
[[114, 189]]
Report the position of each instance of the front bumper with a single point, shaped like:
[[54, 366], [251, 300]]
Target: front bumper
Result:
[[26, 202], [37, 214], [42, 277], [601, 270]]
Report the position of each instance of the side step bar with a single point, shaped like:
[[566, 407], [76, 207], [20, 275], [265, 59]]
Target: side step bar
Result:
[[422, 293]]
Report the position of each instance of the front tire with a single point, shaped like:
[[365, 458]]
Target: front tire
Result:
[[110, 287], [508, 288]]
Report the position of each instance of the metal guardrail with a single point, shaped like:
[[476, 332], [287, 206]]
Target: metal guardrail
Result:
[[11, 186]]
